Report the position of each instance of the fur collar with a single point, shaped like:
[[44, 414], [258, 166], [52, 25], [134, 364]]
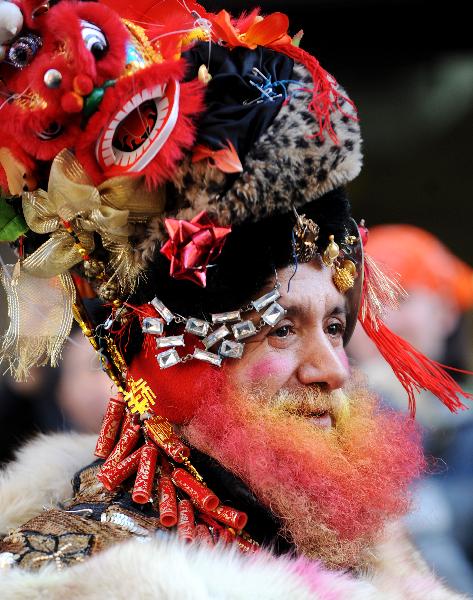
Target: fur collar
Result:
[[163, 567]]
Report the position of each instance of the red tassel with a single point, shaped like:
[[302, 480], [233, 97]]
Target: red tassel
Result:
[[413, 369], [110, 426], [325, 96], [185, 521], [199, 493], [145, 476]]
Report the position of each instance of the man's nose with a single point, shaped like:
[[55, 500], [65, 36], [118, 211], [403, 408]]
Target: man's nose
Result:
[[322, 363]]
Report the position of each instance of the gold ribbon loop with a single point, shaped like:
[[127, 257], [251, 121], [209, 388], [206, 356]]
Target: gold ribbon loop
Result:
[[107, 210]]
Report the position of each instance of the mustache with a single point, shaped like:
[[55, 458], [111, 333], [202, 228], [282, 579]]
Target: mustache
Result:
[[310, 401]]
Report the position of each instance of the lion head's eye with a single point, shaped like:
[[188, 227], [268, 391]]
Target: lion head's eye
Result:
[[23, 50], [94, 39]]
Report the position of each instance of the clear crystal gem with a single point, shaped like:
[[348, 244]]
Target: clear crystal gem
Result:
[[162, 310], [266, 300], [197, 327], [169, 358], [231, 349], [226, 317], [243, 330], [273, 314], [215, 336], [153, 325], [210, 357], [170, 340]]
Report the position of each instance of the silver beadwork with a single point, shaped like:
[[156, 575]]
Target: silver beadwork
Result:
[[273, 314], [167, 359], [243, 330], [215, 337], [170, 340], [266, 300], [162, 310], [153, 325], [210, 357], [226, 317], [197, 327], [231, 349]]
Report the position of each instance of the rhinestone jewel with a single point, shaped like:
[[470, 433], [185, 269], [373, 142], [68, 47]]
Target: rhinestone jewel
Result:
[[162, 310], [243, 330], [170, 340], [167, 359], [266, 300], [197, 327], [153, 325], [215, 336], [226, 317], [231, 349], [273, 314], [210, 357]]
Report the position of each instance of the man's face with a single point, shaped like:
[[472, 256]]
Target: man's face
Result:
[[328, 462], [306, 347]]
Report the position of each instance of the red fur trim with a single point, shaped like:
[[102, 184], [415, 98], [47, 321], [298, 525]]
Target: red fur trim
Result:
[[182, 137]]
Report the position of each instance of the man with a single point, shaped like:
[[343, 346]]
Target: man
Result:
[[229, 294]]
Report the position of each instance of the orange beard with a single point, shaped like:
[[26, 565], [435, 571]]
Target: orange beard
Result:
[[334, 489]]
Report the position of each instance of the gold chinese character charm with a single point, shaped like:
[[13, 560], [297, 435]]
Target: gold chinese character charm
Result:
[[139, 396]]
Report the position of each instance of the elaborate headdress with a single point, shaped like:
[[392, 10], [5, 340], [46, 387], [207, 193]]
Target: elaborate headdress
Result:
[[142, 145]]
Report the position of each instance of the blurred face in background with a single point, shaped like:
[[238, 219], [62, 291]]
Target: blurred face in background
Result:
[[425, 319], [83, 388]]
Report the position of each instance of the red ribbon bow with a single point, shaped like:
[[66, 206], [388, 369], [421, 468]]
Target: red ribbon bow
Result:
[[192, 245]]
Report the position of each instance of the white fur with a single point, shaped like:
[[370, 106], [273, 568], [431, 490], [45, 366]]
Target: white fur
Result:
[[165, 569], [41, 476]]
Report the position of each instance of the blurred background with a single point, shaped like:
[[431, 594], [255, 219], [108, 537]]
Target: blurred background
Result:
[[408, 66]]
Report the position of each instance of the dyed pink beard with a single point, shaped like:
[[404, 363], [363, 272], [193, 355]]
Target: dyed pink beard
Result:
[[333, 490]]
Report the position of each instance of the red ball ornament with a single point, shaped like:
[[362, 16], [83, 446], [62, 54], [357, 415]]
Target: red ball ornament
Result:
[[71, 102], [82, 85]]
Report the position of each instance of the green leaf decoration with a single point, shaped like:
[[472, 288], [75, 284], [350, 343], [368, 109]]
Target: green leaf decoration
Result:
[[12, 225]]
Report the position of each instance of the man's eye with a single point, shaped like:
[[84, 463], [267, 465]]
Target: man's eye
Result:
[[335, 329], [282, 332], [94, 39]]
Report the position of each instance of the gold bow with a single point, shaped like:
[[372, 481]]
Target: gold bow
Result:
[[107, 210]]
